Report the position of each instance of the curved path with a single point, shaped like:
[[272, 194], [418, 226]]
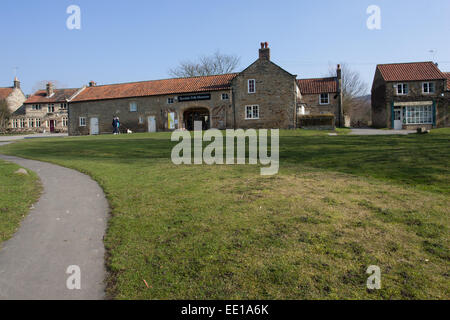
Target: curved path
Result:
[[64, 228]]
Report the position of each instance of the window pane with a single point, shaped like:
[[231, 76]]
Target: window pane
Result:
[[255, 112]]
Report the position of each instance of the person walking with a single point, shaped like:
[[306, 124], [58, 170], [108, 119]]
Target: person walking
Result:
[[118, 125], [114, 124]]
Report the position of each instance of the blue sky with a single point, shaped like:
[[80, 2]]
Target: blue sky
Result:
[[134, 40]]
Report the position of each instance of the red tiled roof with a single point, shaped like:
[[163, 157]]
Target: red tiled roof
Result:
[[60, 95], [317, 85], [447, 75], [5, 92], [415, 71], [156, 87]]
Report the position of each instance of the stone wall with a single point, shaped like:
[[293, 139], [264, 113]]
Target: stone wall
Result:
[[415, 95], [45, 118], [275, 95], [15, 100], [378, 98], [157, 106], [313, 106]]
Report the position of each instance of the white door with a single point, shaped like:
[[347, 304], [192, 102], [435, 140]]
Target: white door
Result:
[[398, 122], [94, 126], [151, 124]]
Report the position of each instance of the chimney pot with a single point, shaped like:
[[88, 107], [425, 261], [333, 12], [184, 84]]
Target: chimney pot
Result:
[[264, 52], [92, 84]]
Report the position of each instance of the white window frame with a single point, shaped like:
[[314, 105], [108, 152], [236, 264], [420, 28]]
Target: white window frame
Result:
[[133, 107], [320, 99], [82, 121], [51, 107], [428, 83], [170, 100], [65, 121], [254, 86], [404, 89], [63, 106], [252, 108], [418, 115], [225, 96]]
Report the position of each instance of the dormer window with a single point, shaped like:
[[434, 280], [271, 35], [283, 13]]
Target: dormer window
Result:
[[428, 87], [251, 86], [402, 88]]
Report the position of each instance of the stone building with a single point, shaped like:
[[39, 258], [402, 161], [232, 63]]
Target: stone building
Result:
[[322, 96], [13, 96], [262, 96], [44, 111], [410, 95]]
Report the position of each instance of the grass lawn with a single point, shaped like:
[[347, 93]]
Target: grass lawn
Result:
[[339, 204], [17, 194]]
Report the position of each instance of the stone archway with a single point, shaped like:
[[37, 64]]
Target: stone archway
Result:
[[197, 114]]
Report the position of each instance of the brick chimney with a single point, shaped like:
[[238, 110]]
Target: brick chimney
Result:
[[50, 90], [16, 83], [264, 52], [92, 84]]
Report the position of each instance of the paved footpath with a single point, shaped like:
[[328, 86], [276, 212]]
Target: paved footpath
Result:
[[379, 132], [32, 136], [65, 228]]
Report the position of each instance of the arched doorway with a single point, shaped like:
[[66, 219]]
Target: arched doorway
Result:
[[197, 114]]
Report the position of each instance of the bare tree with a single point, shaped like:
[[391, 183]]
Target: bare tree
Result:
[[207, 65], [5, 115], [352, 87]]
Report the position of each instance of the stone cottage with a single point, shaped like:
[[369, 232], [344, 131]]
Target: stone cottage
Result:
[[44, 111], [322, 96], [13, 96], [410, 95], [261, 96]]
